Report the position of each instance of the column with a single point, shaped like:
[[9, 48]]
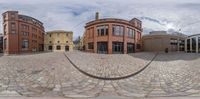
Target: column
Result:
[[125, 39], [178, 45], [95, 39], [136, 37], [186, 45], [110, 39], [190, 44], [197, 45]]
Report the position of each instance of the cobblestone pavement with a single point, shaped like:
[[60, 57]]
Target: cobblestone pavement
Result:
[[52, 74], [109, 66]]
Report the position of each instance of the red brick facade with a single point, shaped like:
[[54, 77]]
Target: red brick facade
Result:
[[22, 33], [115, 36]]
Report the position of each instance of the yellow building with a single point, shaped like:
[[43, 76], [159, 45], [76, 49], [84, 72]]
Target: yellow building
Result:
[[58, 40]]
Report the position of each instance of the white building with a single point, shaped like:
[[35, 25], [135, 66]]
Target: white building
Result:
[[192, 43]]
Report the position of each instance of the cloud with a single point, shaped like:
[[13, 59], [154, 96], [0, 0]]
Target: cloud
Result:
[[72, 15]]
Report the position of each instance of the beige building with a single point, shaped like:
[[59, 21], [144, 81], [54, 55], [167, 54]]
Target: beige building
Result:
[[58, 40], [160, 41]]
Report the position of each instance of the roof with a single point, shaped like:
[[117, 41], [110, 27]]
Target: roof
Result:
[[9, 11], [31, 18], [59, 31], [164, 33], [116, 20], [194, 35]]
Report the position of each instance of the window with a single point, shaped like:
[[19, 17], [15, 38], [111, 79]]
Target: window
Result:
[[25, 44], [25, 33], [131, 33], [130, 48], [12, 16], [138, 46], [118, 30], [13, 32], [58, 41], [49, 41], [194, 44], [181, 45], [66, 41], [117, 47], [199, 44], [102, 30], [34, 36], [49, 35], [25, 27], [139, 24], [90, 46], [5, 43], [34, 30], [58, 47], [67, 34], [4, 18], [1, 42], [5, 29], [13, 25], [173, 41], [188, 45], [102, 47], [50, 47]]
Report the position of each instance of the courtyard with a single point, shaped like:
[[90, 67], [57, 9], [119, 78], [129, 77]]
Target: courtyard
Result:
[[89, 75]]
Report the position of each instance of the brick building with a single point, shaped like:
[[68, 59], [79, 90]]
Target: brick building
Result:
[[111, 35], [1, 43], [22, 33]]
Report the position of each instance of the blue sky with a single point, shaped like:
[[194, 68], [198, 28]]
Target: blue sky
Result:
[[71, 15]]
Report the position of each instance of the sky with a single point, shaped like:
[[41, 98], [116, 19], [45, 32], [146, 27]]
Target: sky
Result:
[[72, 15]]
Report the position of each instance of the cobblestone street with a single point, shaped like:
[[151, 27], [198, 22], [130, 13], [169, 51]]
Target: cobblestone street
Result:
[[75, 74]]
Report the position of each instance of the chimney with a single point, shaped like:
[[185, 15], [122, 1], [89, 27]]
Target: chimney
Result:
[[97, 16]]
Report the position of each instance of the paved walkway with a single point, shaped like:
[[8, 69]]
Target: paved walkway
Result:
[[52, 75], [106, 97]]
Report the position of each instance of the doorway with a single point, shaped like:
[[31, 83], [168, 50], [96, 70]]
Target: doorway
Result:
[[102, 47], [66, 48]]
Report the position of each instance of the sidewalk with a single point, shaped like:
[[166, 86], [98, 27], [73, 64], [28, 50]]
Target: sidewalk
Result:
[[102, 97]]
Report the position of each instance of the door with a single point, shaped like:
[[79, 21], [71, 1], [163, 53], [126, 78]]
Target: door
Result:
[[102, 47], [67, 48]]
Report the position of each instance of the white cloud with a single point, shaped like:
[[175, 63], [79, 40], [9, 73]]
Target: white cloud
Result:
[[72, 15]]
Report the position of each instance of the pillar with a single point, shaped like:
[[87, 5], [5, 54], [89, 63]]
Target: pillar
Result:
[[110, 39], [186, 45], [190, 44], [125, 40], [178, 45], [197, 44], [136, 37], [94, 31]]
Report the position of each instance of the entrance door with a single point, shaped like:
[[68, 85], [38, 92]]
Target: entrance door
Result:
[[67, 48], [130, 48], [117, 47], [102, 47], [50, 48]]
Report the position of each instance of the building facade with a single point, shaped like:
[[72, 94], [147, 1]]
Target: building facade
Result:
[[58, 40], [112, 35], [158, 41], [1, 43], [22, 33], [192, 43]]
